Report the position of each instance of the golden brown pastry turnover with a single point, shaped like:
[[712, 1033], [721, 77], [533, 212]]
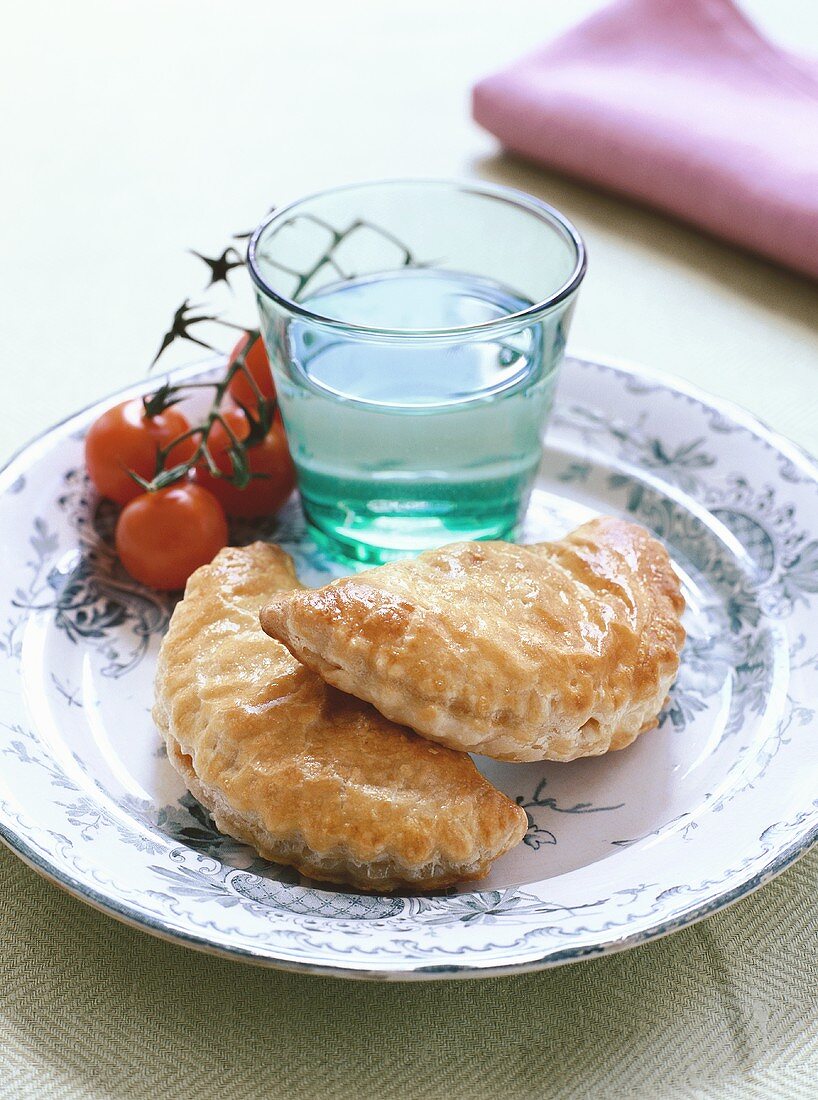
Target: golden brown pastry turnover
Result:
[[306, 775], [544, 652]]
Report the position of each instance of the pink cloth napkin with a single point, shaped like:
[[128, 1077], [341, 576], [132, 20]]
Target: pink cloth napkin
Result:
[[681, 104]]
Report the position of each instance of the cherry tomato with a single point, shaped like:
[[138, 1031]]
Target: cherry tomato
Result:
[[163, 537], [263, 495], [218, 440], [123, 438], [258, 366]]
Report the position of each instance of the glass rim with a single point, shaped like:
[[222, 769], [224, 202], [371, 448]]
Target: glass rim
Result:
[[543, 210]]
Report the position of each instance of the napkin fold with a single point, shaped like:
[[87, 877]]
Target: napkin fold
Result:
[[681, 104]]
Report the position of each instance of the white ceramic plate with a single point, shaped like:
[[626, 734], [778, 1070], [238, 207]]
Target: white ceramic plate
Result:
[[620, 849]]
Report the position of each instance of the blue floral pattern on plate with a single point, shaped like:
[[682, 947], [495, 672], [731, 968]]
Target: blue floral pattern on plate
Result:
[[619, 849]]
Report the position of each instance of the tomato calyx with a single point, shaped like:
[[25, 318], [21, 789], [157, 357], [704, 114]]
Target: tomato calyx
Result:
[[164, 398]]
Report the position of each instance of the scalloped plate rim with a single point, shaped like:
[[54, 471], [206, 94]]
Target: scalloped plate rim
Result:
[[141, 922]]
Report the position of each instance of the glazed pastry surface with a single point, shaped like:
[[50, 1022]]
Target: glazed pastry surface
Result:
[[545, 652], [306, 775]]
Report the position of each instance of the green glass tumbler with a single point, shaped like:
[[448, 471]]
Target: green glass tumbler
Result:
[[415, 329]]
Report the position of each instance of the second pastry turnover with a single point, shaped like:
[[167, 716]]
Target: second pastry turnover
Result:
[[545, 652]]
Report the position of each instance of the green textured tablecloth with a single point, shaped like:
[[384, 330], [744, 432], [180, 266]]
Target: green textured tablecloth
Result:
[[90, 1008], [143, 130]]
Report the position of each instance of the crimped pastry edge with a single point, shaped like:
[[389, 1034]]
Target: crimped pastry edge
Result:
[[336, 866], [462, 732]]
